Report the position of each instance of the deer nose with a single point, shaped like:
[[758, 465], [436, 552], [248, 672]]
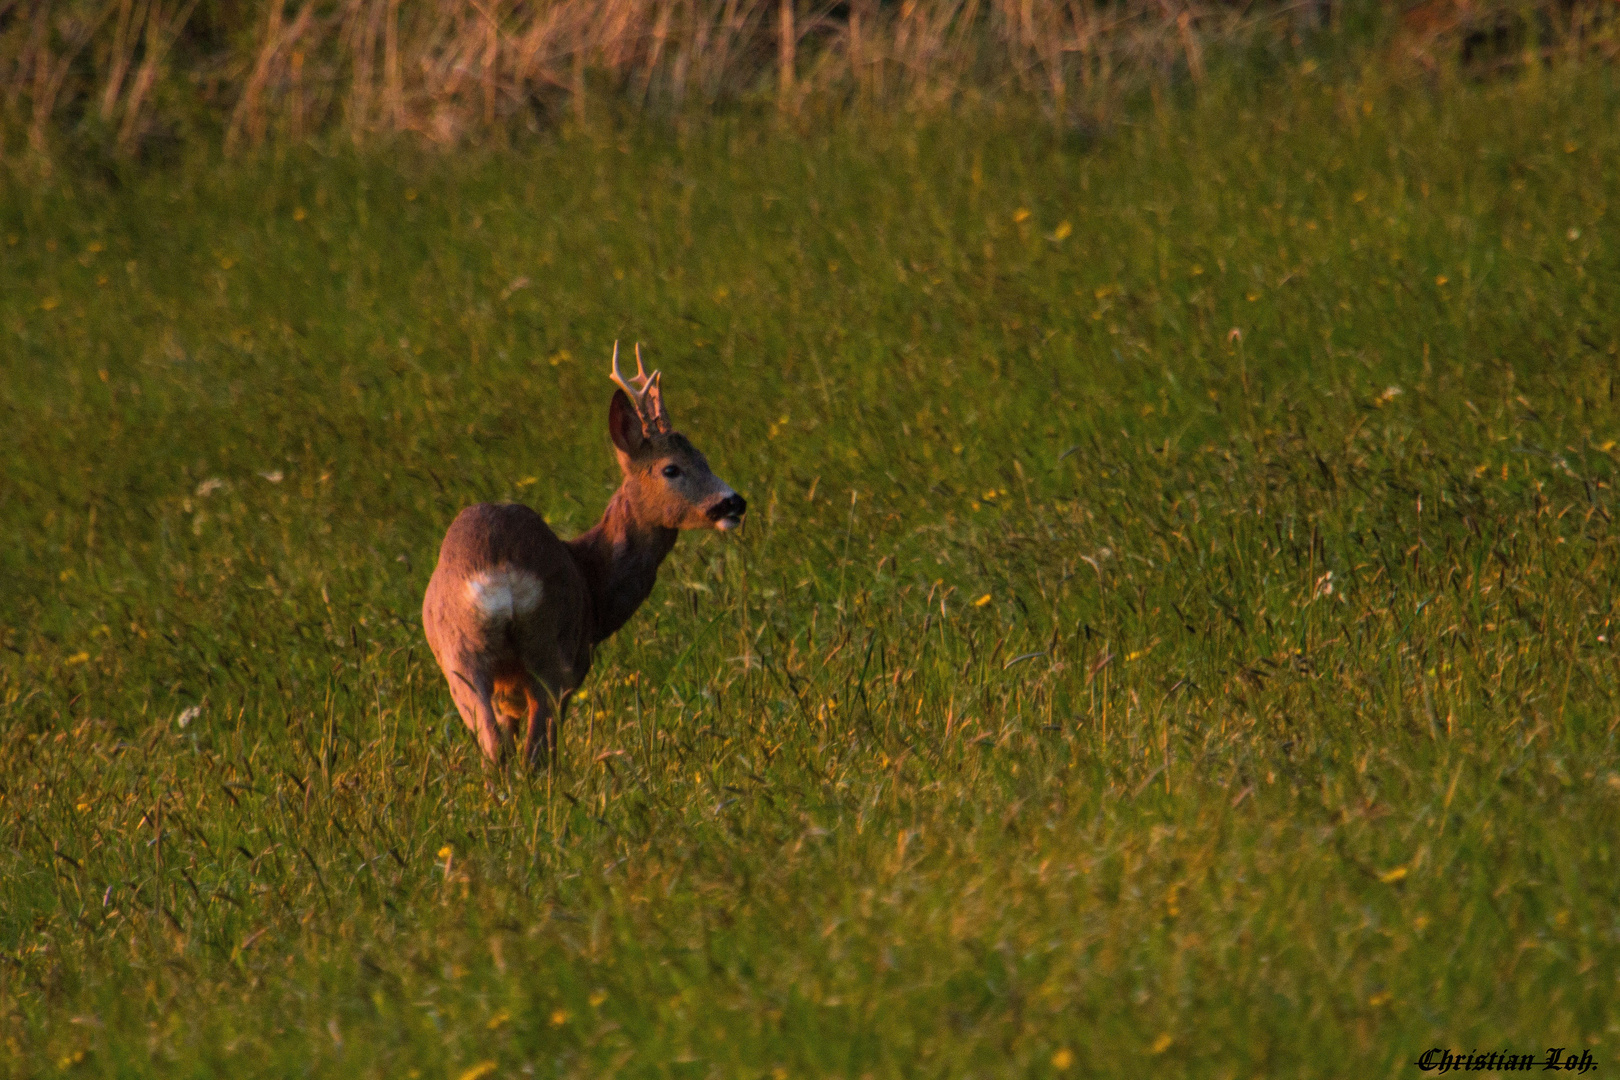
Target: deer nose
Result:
[[733, 506]]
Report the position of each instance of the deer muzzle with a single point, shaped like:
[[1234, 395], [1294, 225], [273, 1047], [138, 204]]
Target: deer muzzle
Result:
[[728, 513]]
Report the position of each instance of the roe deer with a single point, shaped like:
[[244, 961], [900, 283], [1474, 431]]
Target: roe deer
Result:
[[512, 613]]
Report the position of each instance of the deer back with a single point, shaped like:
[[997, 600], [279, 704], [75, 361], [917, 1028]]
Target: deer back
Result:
[[506, 588]]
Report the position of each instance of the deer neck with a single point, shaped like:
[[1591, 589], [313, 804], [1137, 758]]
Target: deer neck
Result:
[[619, 557]]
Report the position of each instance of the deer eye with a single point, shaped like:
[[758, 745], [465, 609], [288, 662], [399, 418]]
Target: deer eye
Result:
[[672, 471]]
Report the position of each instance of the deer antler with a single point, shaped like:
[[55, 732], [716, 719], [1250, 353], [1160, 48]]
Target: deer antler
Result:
[[644, 393]]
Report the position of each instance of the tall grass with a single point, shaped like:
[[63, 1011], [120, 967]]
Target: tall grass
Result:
[[1175, 633], [120, 75]]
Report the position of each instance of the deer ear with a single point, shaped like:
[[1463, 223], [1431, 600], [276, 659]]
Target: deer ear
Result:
[[624, 424]]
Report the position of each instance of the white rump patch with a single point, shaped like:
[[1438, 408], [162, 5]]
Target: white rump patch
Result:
[[504, 594]]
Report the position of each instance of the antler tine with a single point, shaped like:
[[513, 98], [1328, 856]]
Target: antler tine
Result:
[[617, 376], [644, 393], [651, 384]]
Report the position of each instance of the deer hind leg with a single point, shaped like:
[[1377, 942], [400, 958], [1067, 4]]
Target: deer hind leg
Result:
[[546, 711], [473, 695], [511, 701]]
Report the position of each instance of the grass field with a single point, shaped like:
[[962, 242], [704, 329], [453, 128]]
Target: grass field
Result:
[[1174, 633]]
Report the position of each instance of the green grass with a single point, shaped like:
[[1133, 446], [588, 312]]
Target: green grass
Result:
[[1020, 729]]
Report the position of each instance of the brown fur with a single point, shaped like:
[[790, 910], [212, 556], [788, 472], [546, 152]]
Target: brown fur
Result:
[[513, 612]]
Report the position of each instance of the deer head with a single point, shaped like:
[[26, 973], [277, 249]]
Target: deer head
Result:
[[667, 480]]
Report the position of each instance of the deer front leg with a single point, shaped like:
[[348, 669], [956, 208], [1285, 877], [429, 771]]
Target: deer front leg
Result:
[[473, 698]]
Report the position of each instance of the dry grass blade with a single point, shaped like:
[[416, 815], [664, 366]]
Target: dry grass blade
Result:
[[451, 69]]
